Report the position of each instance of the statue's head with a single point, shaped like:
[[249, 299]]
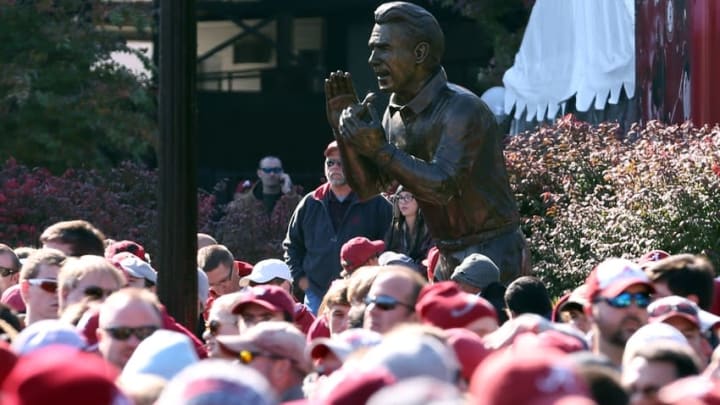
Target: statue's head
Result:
[[419, 27]]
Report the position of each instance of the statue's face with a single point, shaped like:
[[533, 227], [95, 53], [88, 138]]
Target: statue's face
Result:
[[393, 61]]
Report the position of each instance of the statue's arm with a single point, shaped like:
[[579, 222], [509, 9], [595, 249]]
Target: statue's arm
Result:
[[464, 132], [361, 172]]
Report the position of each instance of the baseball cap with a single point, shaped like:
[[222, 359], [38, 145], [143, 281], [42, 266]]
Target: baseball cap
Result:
[[613, 276], [274, 337], [577, 297], [691, 390], [48, 332], [359, 250], [444, 305], [668, 307], [125, 246], [57, 372], [266, 270], [135, 267], [477, 270], [395, 258], [270, 297], [344, 343], [332, 147], [651, 257], [528, 376], [358, 387], [164, 353], [218, 382], [469, 349], [672, 306]]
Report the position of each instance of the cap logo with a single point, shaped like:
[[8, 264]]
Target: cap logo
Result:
[[626, 272], [470, 302], [559, 379]]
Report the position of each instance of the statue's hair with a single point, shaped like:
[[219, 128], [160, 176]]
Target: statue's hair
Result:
[[422, 26]]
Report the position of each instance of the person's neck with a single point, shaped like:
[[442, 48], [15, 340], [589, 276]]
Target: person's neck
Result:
[[410, 222], [341, 191], [31, 318], [612, 351], [270, 189]]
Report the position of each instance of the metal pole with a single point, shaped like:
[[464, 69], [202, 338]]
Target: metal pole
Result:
[[177, 265]]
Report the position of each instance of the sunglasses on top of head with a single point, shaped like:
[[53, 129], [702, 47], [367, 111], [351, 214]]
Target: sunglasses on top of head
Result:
[[664, 309]]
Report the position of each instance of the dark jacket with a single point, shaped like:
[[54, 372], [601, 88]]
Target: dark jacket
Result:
[[312, 245]]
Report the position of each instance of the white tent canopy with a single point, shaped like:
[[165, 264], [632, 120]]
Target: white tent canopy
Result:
[[581, 48]]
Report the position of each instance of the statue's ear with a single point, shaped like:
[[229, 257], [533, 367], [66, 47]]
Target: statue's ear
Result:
[[422, 50]]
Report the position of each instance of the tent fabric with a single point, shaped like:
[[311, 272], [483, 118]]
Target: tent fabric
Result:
[[580, 48]]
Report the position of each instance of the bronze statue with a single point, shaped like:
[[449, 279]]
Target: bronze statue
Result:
[[436, 138]]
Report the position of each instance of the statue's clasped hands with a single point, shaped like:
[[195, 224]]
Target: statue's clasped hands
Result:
[[366, 136]]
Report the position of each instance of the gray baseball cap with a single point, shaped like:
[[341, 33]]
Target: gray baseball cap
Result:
[[477, 270]]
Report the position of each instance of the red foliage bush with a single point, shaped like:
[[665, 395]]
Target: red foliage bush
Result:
[[121, 202]]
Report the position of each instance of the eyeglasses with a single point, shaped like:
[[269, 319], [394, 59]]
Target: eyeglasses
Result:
[[247, 357], [45, 284], [213, 327], [96, 292], [625, 299], [268, 170], [333, 162], [124, 332], [6, 271], [664, 309], [405, 197], [385, 302]]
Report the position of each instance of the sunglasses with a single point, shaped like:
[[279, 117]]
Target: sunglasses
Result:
[[45, 284], [385, 302], [664, 309], [268, 170], [247, 357], [97, 293], [124, 332], [624, 300], [333, 162], [213, 327], [6, 271]]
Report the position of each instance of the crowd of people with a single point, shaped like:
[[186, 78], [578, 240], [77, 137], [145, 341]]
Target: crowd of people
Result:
[[400, 298], [81, 321]]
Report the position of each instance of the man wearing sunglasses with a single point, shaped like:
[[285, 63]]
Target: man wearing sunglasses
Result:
[[277, 350], [126, 319], [9, 267], [272, 185], [323, 221], [39, 284], [619, 294], [87, 277], [685, 316], [392, 298]]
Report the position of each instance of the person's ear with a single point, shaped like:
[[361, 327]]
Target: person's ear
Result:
[[15, 278], [421, 52], [24, 288]]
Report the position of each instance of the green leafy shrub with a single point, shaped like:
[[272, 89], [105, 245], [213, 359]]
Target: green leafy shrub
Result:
[[585, 194]]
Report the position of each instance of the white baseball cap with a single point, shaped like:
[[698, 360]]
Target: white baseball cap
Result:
[[266, 270], [138, 268]]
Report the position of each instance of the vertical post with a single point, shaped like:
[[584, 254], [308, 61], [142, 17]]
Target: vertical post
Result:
[[177, 267]]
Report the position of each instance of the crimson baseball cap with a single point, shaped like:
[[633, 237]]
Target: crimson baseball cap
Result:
[[359, 250], [270, 297], [613, 276]]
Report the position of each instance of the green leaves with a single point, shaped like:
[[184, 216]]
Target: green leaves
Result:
[[59, 107], [587, 194]]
